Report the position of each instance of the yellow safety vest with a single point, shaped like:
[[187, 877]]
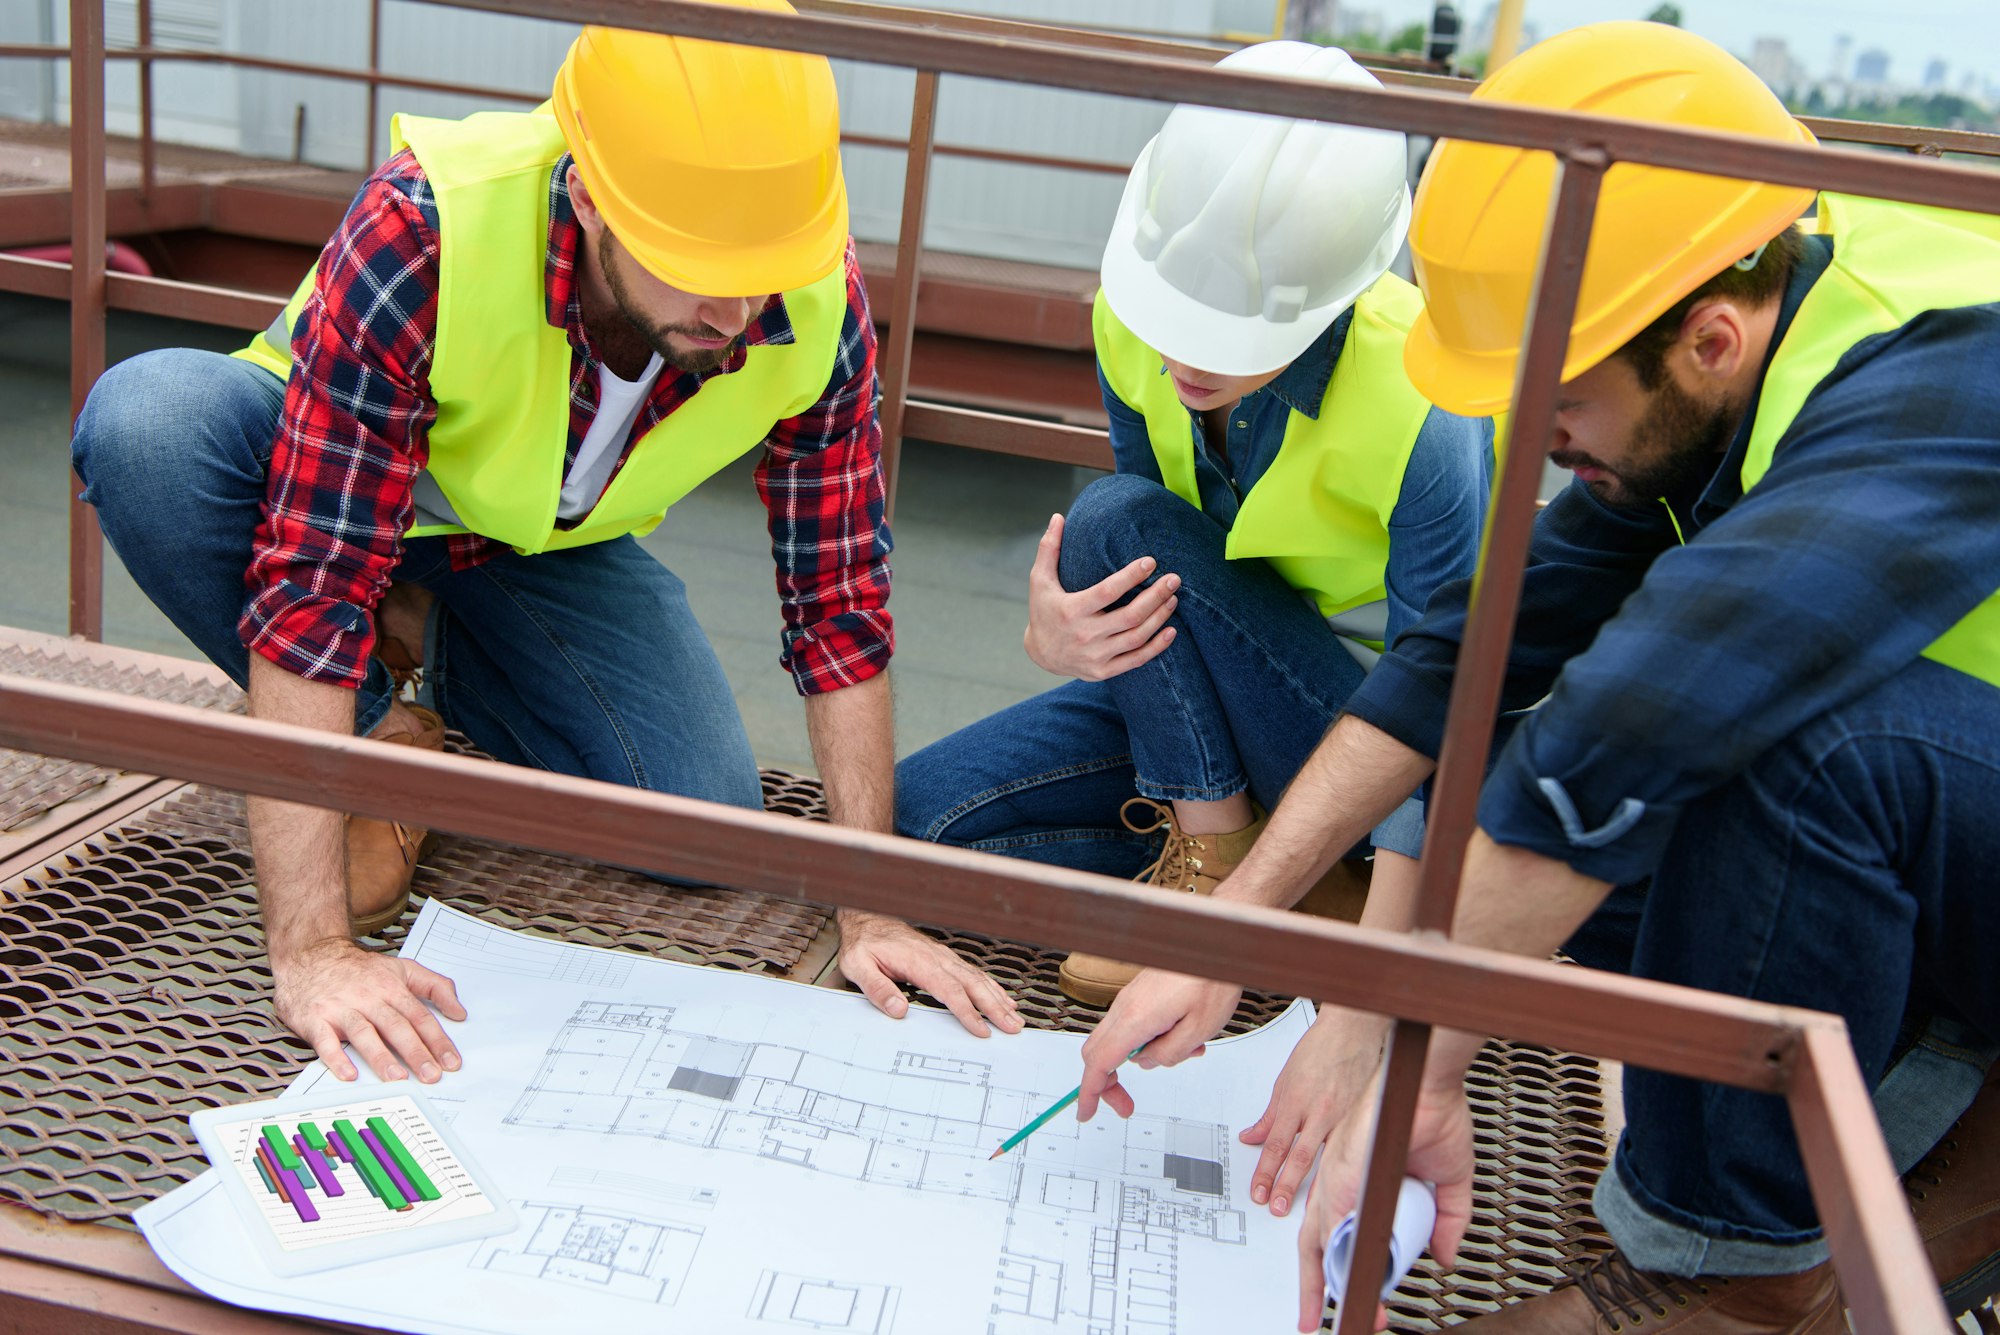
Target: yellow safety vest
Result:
[[1320, 513], [500, 372], [1891, 263]]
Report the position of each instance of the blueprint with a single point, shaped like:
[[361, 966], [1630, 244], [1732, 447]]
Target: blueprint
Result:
[[695, 1150]]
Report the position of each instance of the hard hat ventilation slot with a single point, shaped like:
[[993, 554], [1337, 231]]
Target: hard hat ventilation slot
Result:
[[1284, 304]]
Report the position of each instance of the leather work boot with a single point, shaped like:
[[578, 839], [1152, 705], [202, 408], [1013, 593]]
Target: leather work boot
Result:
[[1189, 864], [1606, 1296], [399, 634], [382, 855], [1955, 1196]]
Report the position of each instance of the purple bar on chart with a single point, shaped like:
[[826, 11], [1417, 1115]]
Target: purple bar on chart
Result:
[[388, 1162], [301, 1199], [319, 1166], [339, 1146]]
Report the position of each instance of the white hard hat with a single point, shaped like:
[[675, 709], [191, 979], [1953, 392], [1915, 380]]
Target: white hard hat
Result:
[[1242, 236]]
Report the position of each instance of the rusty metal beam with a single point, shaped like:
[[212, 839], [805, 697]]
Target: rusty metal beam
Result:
[[1496, 588], [1652, 1024], [1059, 65], [88, 1279], [902, 312], [1861, 1204], [86, 295], [972, 429], [41, 215]]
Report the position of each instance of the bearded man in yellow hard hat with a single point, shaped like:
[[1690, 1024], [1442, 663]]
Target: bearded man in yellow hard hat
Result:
[[1757, 667], [531, 335]]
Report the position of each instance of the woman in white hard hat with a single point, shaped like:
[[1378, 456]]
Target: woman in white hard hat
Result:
[[1285, 502]]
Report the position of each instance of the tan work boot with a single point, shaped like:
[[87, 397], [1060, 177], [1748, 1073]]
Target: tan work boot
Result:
[[1955, 1196], [399, 634], [1606, 1296], [1190, 864], [382, 855]]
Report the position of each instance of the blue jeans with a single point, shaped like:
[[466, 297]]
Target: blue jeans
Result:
[[1253, 678], [586, 661], [1848, 870]]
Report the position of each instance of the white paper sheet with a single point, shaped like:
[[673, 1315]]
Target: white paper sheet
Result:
[[695, 1150]]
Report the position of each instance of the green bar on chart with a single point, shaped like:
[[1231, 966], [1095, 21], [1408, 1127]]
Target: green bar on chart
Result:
[[313, 1137], [281, 1149], [404, 1159], [364, 1159]]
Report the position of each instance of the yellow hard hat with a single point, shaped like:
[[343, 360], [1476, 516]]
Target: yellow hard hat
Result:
[[1659, 234], [716, 165]]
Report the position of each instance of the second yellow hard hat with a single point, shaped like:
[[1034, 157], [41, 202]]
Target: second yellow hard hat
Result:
[[716, 165], [1659, 234]]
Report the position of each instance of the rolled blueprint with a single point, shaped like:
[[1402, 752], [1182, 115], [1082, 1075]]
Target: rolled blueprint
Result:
[[1416, 1213]]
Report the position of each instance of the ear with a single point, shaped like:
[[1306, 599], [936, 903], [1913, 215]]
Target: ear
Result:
[[587, 215], [1715, 338]]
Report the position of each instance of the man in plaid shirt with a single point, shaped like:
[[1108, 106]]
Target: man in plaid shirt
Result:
[[381, 470]]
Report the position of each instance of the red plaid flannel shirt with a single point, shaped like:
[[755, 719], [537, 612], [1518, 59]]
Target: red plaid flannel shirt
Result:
[[352, 440]]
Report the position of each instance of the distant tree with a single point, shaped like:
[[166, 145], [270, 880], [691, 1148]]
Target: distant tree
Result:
[[1411, 38], [1665, 14]]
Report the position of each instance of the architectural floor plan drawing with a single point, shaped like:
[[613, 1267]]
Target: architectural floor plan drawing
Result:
[[696, 1151], [1098, 1214], [622, 1253], [824, 1305]]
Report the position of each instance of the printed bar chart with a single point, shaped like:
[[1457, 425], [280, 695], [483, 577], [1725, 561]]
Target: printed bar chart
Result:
[[350, 1170]]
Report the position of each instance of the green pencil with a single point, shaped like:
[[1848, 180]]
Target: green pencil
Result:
[[1053, 1109]]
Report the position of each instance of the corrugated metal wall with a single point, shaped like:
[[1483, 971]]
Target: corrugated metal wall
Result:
[[1039, 214]]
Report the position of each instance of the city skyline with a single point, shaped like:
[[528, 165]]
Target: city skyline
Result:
[[1945, 30]]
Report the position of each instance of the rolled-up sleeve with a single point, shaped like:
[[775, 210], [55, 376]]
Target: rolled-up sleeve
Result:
[[821, 483]]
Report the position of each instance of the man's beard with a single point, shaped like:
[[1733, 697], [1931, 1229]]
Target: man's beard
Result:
[[1672, 451], [694, 361]]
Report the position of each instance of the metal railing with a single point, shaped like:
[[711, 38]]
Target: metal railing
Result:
[[1422, 979]]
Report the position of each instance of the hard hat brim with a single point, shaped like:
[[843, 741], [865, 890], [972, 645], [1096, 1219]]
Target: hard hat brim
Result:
[[1458, 382], [1185, 330]]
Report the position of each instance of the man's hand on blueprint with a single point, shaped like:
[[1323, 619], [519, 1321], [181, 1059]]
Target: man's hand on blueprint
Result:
[[1171, 1015], [1328, 1068], [1440, 1152], [877, 952], [334, 993]]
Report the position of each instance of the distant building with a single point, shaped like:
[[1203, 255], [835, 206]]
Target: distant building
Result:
[[1843, 45], [1871, 68], [1934, 76], [1772, 60]]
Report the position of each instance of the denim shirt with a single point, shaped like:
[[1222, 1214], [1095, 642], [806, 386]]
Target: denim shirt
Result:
[[1434, 529], [1654, 669]]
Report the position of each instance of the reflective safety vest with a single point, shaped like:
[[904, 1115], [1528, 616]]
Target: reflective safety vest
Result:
[[1891, 263], [500, 372], [1320, 513]]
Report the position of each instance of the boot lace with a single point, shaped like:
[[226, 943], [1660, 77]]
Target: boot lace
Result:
[[1614, 1289], [1179, 859]]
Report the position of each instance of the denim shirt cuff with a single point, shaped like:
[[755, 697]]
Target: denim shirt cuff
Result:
[[1618, 839], [1404, 701]]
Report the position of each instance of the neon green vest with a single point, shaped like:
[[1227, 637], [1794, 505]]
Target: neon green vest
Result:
[[1891, 263], [500, 372], [1320, 514]]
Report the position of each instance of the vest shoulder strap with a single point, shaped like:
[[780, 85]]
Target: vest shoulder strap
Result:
[[1891, 263]]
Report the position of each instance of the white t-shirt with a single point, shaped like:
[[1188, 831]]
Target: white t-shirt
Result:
[[618, 404]]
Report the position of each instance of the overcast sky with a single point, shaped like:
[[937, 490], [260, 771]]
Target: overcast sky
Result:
[[1963, 33]]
